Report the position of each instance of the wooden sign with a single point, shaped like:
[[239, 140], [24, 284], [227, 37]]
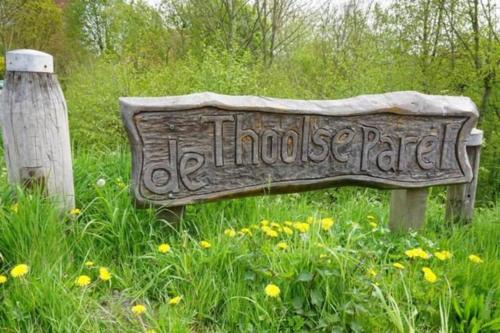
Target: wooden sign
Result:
[[201, 147]]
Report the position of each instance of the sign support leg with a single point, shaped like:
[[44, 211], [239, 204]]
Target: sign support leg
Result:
[[408, 208], [461, 198]]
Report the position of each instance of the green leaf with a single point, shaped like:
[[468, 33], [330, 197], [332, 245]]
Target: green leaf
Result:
[[305, 277]]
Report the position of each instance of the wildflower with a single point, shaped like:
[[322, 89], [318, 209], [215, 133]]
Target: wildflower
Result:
[[288, 231], [19, 270], [373, 225], [282, 246], [443, 255], [372, 272], [288, 223], [14, 207], [371, 218], [205, 245], [82, 280], [175, 300], [75, 212], [301, 227], [245, 231], [271, 233], [100, 182], [310, 219], [417, 253], [89, 263], [327, 223], [475, 259], [276, 226], [3, 279], [138, 309], [398, 265], [163, 248], [104, 274], [272, 290], [429, 275], [264, 223], [230, 232]]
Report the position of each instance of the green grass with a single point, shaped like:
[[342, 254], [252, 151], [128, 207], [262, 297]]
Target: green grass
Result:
[[323, 275]]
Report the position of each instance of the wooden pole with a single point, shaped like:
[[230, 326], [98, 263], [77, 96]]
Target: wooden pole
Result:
[[35, 127], [461, 198], [407, 210]]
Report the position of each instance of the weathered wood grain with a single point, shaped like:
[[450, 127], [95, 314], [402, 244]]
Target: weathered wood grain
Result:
[[206, 146], [35, 128], [461, 198]]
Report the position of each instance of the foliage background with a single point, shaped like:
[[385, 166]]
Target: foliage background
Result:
[[280, 48]]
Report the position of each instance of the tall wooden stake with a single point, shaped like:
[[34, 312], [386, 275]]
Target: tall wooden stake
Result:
[[35, 127], [461, 198]]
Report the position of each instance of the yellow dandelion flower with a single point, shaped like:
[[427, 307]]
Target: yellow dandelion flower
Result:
[[372, 272], [230, 233], [417, 253], [89, 263], [373, 225], [276, 226], [371, 218], [245, 231], [82, 280], [164, 248], [301, 227], [443, 255], [264, 223], [14, 207], [288, 223], [271, 233], [282, 246], [288, 231], [429, 275], [272, 290], [327, 223], [138, 309], [175, 300], [75, 212], [475, 259], [205, 245], [3, 279], [19, 270], [310, 219], [398, 265], [104, 274]]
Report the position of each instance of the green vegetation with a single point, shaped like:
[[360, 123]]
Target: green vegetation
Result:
[[336, 280], [340, 279]]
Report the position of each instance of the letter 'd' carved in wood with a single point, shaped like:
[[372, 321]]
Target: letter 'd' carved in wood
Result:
[[203, 147]]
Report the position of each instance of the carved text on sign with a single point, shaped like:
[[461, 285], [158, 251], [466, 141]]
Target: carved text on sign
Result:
[[210, 152]]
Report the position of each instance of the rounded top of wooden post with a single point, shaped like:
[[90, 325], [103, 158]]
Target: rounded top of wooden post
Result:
[[475, 138], [29, 61]]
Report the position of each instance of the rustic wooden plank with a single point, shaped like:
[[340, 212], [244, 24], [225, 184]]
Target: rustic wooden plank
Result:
[[203, 147], [408, 207], [35, 127], [461, 198]]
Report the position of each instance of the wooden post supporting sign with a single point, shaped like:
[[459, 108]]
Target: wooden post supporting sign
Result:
[[461, 197], [35, 127]]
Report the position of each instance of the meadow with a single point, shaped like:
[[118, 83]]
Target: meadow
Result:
[[321, 261]]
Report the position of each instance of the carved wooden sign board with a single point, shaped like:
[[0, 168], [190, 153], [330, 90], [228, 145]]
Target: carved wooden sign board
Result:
[[202, 147]]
